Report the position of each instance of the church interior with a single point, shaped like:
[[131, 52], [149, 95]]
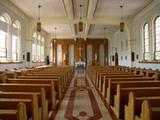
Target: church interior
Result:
[[79, 59]]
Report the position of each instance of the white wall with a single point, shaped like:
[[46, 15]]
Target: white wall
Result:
[[146, 15], [120, 42]]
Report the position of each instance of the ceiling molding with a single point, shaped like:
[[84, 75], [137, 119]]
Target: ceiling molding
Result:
[[149, 6], [65, 20], [68, 5], [91, 10]]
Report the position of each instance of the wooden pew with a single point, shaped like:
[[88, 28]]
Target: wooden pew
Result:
[[3, 77], [31, 109], [138, 108], [149, 112], [60, 76], [62, 87], [110, 87], [47, 92], [121, 97], [107, 77], [56, 82], [42, 102], [101, 74], [14, 114]]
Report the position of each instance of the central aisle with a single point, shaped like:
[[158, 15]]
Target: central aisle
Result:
[[82, 102]]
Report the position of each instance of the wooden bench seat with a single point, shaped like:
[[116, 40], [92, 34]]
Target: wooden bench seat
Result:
[[3, 77], [57, 85], [100, 75], [110, 86], [62, 77], [14, 114], [100, 82], [121, 97], [49, 90], [62, 86], [31, 109], [39, 102], [135, 109]]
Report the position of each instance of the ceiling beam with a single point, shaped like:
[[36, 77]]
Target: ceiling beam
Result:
[[66, 20], [91, 10], [68, 5]]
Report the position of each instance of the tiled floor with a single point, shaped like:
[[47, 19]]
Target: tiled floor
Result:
[[82, 102]]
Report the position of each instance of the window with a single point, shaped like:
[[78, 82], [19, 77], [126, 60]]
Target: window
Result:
[[4, 29], [42, 49], [157, 38], [51, 52], [3, 48], [146, 41], [34, 47], [16, 41], [38, 48]]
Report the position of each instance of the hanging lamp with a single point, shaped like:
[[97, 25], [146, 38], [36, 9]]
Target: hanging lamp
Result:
[[39, 20], [122, 22], [80, 24]]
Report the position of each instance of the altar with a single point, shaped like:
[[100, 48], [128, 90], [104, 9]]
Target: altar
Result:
[[80, 63], [80, 66]]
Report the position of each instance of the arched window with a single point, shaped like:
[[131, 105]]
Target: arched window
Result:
[[16, 40], [42, 49], [4, 31], [146, 54], [37, 48], [157, 38], [34, 47]]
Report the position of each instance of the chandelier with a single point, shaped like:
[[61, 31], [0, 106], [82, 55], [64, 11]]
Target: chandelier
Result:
[[39, 20], [122, 23], [80, 24]]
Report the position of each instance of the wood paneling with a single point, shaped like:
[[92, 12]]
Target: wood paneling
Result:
[[80, 49]]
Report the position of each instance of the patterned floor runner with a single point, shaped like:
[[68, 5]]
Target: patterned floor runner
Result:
[[82, 102]]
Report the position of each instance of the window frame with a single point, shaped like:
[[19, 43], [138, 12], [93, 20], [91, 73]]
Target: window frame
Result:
[[155, 36], [144, 42]]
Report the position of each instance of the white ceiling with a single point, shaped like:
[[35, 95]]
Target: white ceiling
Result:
[[65, 14]]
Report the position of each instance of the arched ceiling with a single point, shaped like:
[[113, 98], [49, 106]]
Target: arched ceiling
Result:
[[65, 15]]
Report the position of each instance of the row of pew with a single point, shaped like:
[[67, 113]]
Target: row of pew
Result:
[[131, 93], [33, 93]]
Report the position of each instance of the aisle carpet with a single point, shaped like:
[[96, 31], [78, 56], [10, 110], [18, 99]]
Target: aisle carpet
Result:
[[82, 102]]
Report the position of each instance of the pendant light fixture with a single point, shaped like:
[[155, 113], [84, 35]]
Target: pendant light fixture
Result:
[[39, 20], [80, 24], [122, 22]]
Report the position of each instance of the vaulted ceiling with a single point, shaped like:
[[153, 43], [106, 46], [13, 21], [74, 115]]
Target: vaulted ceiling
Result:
[[64, 15]]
